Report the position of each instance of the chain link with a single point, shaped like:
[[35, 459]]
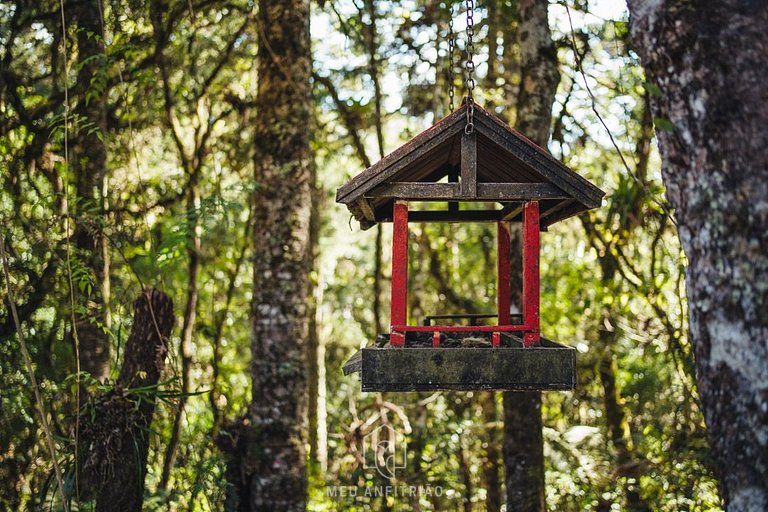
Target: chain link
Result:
[[451, 61], [470, 67]]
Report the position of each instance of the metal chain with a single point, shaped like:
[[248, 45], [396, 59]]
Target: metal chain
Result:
[[451, 61], [470, 67]]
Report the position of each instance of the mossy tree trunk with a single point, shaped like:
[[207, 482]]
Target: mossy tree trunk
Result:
[[115, 427], [523, 441], [275, 470], [88, 163], [707, 61]]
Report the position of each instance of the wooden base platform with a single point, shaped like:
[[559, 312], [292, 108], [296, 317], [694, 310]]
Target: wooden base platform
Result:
[[550, 366]]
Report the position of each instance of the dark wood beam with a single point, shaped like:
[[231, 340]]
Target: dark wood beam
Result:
[[366, 209], [451, 191], [511, 211], [417, 191], [453, 177], [401, 158], [567, 210], [469, 165], [539, 160], [518, 191], [449, 216]]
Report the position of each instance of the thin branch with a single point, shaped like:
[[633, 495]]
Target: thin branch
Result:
[[631, 173], [350, 121]]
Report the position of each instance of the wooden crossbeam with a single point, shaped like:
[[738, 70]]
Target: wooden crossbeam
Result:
[[459, 216], [366, 209], [415, 191]]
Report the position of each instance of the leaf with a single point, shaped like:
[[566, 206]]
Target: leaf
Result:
[[663, 124], [652, 89]]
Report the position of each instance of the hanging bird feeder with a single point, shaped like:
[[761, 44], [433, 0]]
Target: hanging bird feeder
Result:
[[471, 157]]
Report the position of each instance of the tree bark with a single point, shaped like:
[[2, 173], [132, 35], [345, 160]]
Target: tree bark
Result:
[[493, 500], [523, 441], [276, 463], [88, 162], [316, 388], [114, 431], [707, 61]]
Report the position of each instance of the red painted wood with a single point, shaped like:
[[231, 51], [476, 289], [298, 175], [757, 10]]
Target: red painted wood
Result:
[[504, 269], [397, 339], [459, 328], [436, 339], [531, 273], [399, 294], [496, 339]]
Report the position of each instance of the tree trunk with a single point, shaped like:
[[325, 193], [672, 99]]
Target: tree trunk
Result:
[[523, 441], [372, 45], [466, 476], [316, 387], [114, 430], [491, 478], [708, 62], [523, 451], [276, 463], [88, 163]]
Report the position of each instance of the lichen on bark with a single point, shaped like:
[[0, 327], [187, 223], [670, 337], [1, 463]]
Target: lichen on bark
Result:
[[708, 59], [274, 470]]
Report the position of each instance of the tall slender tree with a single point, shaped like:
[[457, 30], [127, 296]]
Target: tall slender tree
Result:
[[707, 64], [523, 441], [277, 466], [88, 161]]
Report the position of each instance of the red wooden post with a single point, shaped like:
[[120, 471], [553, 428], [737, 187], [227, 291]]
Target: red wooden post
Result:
[[531, 273], [399, 296], [504, 266]]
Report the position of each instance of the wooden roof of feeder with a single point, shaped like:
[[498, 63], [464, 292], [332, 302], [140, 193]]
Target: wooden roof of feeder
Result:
[[494, 164]]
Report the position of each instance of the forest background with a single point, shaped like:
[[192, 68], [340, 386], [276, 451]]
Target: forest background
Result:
[[127, 151]]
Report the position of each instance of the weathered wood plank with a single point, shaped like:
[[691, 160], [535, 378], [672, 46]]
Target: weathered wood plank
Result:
[[549, 212], [469, 165], [472, 317], [454, 157], [453, 177], [518, 191], [538, 159], [420, 154], [484, 191], [399, 159], [458, 216], [563, 212], [357, 212], [416, 191], [549, 367], [366, 209]]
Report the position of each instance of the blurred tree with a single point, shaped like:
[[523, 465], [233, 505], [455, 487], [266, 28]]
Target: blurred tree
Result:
[[539, 78], [276, 470], [88, 161]]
